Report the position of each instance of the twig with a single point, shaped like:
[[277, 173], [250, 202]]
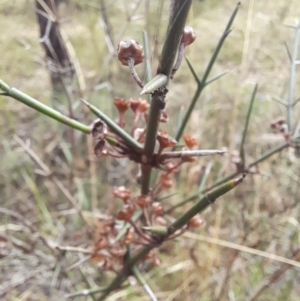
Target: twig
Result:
[[133, 73], [205, 202], [231, 245], [274, 277], [265, 156], [191, 153], [42, 108]]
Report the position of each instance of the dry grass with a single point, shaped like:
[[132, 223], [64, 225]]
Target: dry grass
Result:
[[262, 214]]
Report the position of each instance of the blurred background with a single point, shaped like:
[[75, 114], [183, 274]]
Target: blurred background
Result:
[[47, 169]]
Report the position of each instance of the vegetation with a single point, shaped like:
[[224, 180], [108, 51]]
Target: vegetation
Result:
[[235, 94]]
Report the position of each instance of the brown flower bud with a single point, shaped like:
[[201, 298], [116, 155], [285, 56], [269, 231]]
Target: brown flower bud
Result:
[[130, 50], [165, 140], [188, 36], [122, 193], [143, 201], [126, 213], [121, 104], [108, 225], [196, 222], [134, 104], [190, 141], [157, 208], [139, 105]]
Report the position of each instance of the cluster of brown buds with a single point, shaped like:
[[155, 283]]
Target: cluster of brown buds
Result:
[[138, 106], [279, 125], [108, 143], [136, 223]]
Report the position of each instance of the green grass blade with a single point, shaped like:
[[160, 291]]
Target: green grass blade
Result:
[[242, 150], [38, 198], [197, 79], [205, 202]]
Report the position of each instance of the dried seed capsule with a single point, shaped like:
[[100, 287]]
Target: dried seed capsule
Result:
[[188, 36], [99, 129], [157, 208], [190, 141], [126, 213], [130, 50], [143, 201], [121, 104], [122, 193], [165, 140]]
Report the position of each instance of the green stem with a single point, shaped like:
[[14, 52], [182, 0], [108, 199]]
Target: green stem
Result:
[[42, 108], [178, 16], [157, 104], [114, 127], [143, 283], [202, 83], [177, 20], [223, 180], [242, 151], [205, 202]]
